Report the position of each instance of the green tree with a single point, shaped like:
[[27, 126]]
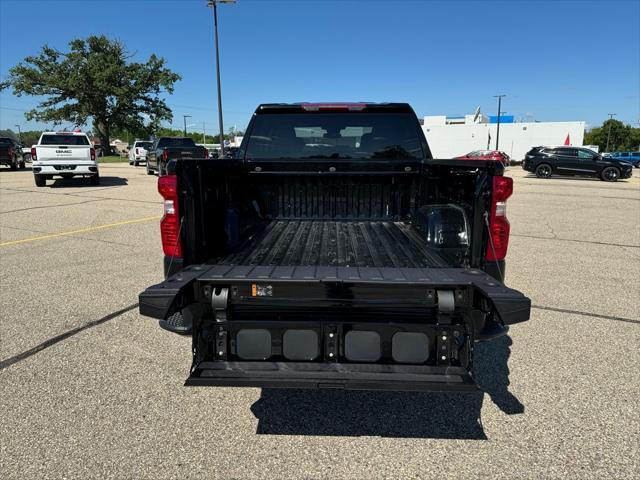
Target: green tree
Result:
[[30, 137], [196, 136], [94, 80], [622, 138]]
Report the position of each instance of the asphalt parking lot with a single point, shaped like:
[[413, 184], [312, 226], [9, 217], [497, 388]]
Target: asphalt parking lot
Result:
[[88, 388]]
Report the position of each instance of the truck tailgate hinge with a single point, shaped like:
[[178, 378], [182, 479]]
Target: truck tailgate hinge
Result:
[[219, 297], [446, 305]]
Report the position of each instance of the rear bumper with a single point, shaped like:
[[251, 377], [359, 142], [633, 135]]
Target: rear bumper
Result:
[[345, 376], [73, 169]]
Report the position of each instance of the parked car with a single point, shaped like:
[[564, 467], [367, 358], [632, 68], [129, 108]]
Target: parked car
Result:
[[64, 154], [11, 153], [548, 161], [334, 252], [632, 157], [169, 148], [487, 155], [138, 152]]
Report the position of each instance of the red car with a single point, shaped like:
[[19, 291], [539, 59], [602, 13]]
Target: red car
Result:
[[487, 155]]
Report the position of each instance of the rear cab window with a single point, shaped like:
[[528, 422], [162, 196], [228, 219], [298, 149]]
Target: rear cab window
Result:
[[332, 135], [64, 139]]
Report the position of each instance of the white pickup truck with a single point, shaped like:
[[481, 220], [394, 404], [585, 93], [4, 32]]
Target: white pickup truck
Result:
[[64, 154], [138, 152]]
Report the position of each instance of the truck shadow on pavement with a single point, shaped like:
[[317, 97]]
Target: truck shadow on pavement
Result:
[[20, 170], [392, 414], [84, 182]]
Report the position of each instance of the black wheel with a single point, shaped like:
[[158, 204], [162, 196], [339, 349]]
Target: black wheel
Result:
[[543, 170], [21, 165], [94, 179], [136, 163], [149, 171], [610, 174], [14, 164], [41, 180]]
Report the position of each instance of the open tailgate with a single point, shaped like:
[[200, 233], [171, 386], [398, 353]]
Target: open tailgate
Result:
[[440, 305]]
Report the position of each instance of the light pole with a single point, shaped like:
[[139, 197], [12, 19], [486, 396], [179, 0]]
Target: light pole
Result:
[[499, 97], [611, 115], [19, 133], [184, 119], [214, 4]]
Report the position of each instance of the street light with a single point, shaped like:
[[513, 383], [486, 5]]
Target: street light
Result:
[[611, 115], [184, 119], [19, 133], [499, 97], [214, 4]]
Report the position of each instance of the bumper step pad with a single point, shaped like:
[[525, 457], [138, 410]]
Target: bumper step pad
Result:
[[346, 376]]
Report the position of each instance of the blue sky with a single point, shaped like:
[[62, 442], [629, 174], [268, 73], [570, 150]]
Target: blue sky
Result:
[[555, 60]]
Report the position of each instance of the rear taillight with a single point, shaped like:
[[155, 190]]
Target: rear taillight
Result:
[[498, 223], [170, 223], [137, 151], [10, 151], [34, 156], [93, 154], [165, 155]]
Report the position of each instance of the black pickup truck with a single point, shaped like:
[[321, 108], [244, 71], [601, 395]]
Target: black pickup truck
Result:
[[11, 153], [170, 148], [334, 252]]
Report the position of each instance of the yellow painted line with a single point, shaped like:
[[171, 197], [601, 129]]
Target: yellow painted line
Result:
[[81, 230]]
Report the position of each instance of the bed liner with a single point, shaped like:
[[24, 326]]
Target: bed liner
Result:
[[306, 243]]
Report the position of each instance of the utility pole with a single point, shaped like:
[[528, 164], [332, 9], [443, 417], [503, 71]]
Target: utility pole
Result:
[[204, 137], [184, 118], [19, 133], [499, 97], [611, 115], [214, 4]]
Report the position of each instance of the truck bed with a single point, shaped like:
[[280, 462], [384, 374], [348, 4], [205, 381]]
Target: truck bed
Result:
[[305, 243]]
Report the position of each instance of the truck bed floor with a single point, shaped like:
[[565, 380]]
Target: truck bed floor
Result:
[[382, 244]]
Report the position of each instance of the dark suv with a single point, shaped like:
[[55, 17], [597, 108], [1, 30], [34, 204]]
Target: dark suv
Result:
[[547, 161]]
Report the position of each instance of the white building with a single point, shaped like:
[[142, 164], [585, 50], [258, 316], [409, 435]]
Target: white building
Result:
[[452, 137]]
